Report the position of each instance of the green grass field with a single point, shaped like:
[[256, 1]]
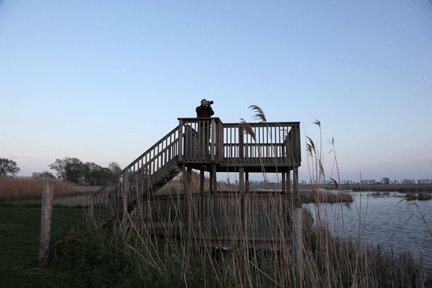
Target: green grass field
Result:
[[19, 244]]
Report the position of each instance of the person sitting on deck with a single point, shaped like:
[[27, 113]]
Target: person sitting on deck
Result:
[[204, 111]]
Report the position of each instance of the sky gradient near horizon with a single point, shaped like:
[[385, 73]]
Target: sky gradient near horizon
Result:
[[103, 81]]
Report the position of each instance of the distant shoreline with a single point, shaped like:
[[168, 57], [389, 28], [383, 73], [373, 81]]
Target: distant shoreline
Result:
[[356, 187]]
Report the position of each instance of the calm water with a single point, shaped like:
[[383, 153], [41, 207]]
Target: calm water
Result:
[[384, 222]]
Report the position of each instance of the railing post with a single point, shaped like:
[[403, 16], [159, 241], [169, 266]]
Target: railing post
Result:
[[180, 139], [220, 146], [241, 144], [297, 149], [213, 139]]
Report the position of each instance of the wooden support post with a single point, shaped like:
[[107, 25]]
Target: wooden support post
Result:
[[202, 180], [298, 239], [288, 182], [247, 182], [186, 195], [46, 216], [241, 181], [213, 181], [295, 181], [125, 199], [188, 199], [283, 183]]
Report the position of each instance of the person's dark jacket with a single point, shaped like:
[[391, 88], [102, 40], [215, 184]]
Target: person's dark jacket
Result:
[[204, 111]]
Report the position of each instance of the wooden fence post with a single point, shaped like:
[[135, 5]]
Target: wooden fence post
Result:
[[46, 216]]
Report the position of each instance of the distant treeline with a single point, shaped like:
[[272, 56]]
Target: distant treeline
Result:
[[74, 170]]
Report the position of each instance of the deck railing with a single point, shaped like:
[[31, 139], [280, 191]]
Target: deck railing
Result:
[[210, 140], [270, 143], [202, 140]]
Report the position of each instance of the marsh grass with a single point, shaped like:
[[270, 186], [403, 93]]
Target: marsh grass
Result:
[[30, 188], [418, 196], [325, 197], [403, 188]]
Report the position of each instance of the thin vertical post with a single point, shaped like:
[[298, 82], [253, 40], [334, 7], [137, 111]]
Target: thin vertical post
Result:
[[288, 182], [298, 239], [180, 140], [241, 180], [247, 182], [202, 180], [213, 139], [211, 182], [295, 181], [92, 208], [215, 197], [125, 198], [46, 216], [189, 202], [242, 199], [241, 144], [283, 183], [186, 195]]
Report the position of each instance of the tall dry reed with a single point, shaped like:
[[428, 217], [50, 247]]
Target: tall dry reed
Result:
[[24, 188]]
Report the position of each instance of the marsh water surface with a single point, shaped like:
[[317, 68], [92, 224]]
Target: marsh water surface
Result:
[[383, 221]]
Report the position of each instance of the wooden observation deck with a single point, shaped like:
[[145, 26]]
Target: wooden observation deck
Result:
[[207, 144]]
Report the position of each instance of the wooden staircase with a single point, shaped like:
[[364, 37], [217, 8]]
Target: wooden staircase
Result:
[[147, 174]]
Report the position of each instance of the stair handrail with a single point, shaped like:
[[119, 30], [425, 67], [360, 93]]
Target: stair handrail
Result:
[[120, 180], [148, 151]]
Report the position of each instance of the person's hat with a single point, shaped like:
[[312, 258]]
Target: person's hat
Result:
[[204, 102]]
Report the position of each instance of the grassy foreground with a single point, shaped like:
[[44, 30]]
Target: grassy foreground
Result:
[[19, 242], [83, 255]]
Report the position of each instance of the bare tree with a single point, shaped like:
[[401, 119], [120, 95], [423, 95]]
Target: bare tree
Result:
[[114, 167]]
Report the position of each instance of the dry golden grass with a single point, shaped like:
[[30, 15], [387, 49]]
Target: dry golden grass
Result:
[[29, 188]]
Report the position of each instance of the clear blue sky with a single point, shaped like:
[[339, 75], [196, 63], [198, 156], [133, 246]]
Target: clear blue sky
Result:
[[102, 81]]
